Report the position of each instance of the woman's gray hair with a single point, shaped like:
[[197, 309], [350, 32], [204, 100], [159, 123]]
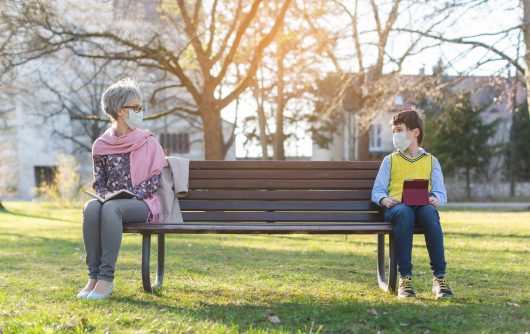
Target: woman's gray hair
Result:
[[118, 95]]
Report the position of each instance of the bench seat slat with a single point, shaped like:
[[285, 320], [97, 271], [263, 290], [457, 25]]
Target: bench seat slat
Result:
[[266, 229], [281, 216], [279, 195], [278, 205], [261, 229], [281, 223]]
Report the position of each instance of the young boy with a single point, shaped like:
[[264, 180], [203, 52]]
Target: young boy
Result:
[[410, 161]]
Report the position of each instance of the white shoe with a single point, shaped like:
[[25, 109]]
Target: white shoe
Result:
[[83, 294], [94, 295]]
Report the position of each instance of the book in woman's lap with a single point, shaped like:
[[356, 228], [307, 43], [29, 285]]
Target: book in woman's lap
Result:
[[120, 194]]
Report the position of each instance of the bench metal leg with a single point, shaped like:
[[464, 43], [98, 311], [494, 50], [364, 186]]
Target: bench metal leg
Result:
[[392, 268], [146, 252]]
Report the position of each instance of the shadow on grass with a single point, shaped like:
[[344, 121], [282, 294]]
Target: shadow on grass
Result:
[[28, 215], [486, 235], [31, 251], [296, 310], [356, 315]]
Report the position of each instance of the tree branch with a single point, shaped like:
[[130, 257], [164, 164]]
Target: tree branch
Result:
[[235, 45], [191, 29], [231, 30], [474, 44], [212, 29], [257, 57]]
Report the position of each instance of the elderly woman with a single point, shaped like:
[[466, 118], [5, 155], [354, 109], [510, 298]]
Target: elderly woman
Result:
[[124, 157]]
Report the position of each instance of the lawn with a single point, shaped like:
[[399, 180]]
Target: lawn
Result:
[[232, 284]]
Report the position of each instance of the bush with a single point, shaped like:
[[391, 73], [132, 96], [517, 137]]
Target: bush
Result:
[[66, 184]]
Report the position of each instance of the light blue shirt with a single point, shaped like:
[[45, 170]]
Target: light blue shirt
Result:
[[382, 181]]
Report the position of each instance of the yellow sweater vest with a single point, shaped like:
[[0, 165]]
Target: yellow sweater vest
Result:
[[403, 167]]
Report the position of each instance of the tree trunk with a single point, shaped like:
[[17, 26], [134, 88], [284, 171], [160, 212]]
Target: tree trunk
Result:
[[513, 137], [468, 186], [259, 95], [262, 132], [2, 208], [526, 32], [212, 132], [279, 151]]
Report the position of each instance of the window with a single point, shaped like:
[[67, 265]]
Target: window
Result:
[[376, 140], [175, 143], [44, 178]]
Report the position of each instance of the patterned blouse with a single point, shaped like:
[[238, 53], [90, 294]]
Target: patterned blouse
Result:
[[112, 172]]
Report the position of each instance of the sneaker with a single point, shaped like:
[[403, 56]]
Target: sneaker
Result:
[[440, 287], [406, 289]]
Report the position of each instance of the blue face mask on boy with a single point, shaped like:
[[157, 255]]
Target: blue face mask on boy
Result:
[[400, 140]]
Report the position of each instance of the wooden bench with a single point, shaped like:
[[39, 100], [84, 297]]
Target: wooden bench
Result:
[[276, 197]]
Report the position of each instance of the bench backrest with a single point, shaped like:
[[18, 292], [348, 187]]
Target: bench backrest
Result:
[[281, 192]]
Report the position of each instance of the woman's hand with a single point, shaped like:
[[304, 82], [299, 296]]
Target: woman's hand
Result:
[[388, 202], [434, 201]]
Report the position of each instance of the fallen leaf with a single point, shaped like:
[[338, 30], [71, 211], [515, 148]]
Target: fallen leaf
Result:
[[274, 319]]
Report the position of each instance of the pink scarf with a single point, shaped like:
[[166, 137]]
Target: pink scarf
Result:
[[146, 158]]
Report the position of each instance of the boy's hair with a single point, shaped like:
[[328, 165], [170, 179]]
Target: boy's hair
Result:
[[412, 118]]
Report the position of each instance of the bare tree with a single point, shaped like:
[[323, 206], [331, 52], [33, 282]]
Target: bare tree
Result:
[[215, 43], [76, 93], [370, 74], [526, 33], [287, 70], [476, 41]]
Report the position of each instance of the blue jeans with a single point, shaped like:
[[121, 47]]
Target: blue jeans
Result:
[[403, 217]]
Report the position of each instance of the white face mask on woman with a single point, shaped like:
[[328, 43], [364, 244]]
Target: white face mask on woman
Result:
[[400, 140], [134, 119]]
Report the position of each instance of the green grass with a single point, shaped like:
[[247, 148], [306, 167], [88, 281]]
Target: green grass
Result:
[[228, 283]]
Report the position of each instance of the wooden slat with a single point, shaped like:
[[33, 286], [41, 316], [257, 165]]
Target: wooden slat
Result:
[[283, 174], [257, 229], [279, 195], [280, 184], [280, 223], [278, 205], [220, 216], [231, 165], [261, 229]]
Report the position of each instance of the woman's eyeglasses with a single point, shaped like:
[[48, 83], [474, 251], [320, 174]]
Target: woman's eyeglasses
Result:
[[136, 109]]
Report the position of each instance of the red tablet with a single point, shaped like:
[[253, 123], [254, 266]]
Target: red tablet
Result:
[[415, 192]]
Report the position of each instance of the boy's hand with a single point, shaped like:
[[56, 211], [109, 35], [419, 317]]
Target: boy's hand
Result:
[[388, 202], [434, 201]]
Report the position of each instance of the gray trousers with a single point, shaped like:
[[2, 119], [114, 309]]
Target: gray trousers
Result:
[[102, 229]]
